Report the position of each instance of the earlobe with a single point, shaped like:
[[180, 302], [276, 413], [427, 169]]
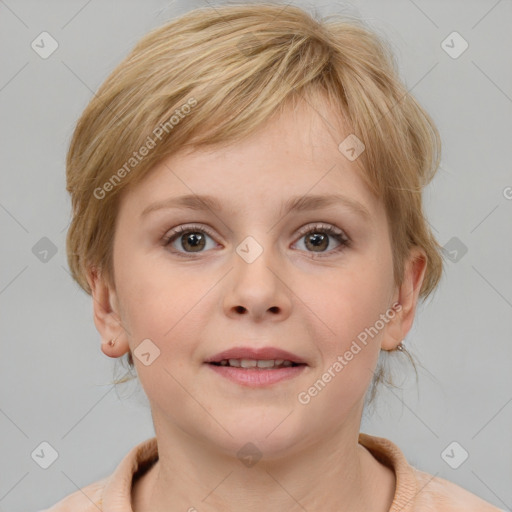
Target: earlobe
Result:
[[408, 295], [393, 333], [106, 318]]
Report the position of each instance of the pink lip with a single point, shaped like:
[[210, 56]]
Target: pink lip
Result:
[[256, 353], [252, 377]]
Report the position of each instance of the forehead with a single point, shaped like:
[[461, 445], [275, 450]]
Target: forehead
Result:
[[295, 153]]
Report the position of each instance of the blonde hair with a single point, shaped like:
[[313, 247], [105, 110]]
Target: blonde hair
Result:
[[212, 77]]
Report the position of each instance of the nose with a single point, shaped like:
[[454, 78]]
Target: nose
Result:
[[258, 288]]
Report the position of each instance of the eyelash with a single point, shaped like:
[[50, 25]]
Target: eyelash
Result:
[[339, 235]]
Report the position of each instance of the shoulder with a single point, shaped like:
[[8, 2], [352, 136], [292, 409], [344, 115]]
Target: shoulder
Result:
[[113, 492], [418, 491], [87, 499], [439, 494]]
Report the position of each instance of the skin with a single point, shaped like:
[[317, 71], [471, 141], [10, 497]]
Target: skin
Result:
[[310, 301]]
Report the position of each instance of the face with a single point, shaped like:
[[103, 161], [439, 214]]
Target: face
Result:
[[249, 272]]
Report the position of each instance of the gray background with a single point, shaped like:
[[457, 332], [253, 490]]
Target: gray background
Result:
[[55, 381]]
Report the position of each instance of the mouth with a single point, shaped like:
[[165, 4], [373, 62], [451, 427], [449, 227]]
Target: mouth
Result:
[[256, 367], [257, 364], [254, 376], [265, 358]]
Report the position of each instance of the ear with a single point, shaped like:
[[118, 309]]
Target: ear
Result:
[[106, 315], [406, 296]]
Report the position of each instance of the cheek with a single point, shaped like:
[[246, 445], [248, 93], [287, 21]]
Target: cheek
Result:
[[161, 303], [349, 303], [344, 315]]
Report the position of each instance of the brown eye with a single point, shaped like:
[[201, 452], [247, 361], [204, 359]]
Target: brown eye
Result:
[[317, 239], [193, 241], [188, 240]]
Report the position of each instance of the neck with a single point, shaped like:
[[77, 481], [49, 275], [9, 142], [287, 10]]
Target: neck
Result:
[[334, 474]]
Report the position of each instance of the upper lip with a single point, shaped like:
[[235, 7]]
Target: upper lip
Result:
[[255, 353]]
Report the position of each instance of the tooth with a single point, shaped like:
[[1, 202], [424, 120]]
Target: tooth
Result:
[[248, 363], [266, 364], [260, 363]]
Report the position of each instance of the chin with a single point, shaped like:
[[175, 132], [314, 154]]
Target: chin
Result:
[[270, 436]]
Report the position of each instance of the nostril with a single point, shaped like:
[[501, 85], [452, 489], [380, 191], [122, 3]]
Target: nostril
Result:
[[240, 309]]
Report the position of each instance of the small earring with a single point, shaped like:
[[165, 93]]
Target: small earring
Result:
[[400, 347], [112, 342]]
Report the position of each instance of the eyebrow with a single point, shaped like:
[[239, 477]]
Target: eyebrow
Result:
[[294, 204]]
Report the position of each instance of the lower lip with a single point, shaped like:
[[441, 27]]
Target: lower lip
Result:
[[257, 378]]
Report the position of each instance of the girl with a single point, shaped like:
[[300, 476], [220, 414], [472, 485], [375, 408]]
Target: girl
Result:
[[247, 217]]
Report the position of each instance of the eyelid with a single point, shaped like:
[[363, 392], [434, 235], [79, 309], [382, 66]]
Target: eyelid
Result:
[[331, 229], [325, 227], [183, 228]]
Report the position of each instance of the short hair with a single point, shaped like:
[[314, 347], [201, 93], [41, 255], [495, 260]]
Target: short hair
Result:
[[212, 77]]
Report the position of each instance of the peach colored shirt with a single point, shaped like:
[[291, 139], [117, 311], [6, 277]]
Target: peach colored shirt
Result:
[[416, 491]]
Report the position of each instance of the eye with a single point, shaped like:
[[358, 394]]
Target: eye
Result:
[[192, 238], [317, 238]]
